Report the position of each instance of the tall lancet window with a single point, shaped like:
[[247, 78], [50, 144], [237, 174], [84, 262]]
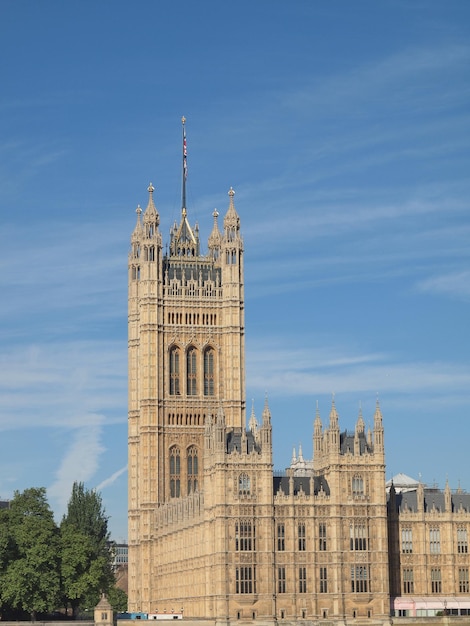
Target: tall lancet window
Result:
[[209, 357], [191, 372], [357, 486], [193, 469], [175, 472], [174, 371]]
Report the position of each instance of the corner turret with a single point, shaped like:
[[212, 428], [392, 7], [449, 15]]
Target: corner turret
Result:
[[378, 429], [333, 429]]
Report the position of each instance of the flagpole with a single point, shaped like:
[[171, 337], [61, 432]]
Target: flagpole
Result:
[[185, 167]]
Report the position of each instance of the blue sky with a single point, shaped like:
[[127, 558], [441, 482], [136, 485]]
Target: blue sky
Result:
[[343, 128]]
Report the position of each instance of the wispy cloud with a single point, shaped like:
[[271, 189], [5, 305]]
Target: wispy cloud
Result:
[[456, 284], [67, 266], [402, 80], [80, 462], [285, 372], [62, 384], [111, 479]]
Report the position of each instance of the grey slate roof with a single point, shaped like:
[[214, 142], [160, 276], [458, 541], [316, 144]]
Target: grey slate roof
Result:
[[234, 442], [192, 270], [346, 443], [433, 499], [301, 483]]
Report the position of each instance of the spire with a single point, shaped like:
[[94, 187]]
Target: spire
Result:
[[215, 238], [333, 430], [231, 220], [266, 431], [448, 496], [137, 234], [151, 217], [136, 241], [253, 424], [378, 428], [333, 414], [294, 457], [317, 425], [360, 426], [266, 412], [317, 434], [378, 412]]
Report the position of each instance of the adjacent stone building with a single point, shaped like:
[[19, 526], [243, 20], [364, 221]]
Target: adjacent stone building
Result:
[[429, 553]]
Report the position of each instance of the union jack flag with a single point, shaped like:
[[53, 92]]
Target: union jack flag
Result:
[[185, 155]]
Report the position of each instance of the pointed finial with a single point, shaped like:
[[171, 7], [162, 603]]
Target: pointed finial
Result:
[[183, 120], [317, 412], [266, 415]]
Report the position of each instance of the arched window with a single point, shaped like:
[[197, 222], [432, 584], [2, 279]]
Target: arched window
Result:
[[209, 358], [191, 372], [244, 484], [193, 469], [357, 486], [175, 472], [174, 371]]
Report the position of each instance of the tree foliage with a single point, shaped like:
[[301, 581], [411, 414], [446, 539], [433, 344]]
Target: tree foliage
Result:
[[118, 599], [30, 574], [85, 511], [43, 567], [86, 557]]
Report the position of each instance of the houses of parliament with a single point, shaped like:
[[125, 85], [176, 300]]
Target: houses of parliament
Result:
[[214, 532]]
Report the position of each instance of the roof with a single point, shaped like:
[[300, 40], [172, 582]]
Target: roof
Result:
[[301, 484], [347, 442], [434, 499], [402, 482], [234, 442]]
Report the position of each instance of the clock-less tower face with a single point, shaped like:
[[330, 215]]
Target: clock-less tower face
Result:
[[186, 350]]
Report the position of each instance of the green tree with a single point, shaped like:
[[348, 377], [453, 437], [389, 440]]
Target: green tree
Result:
[[7, 555], [118, 599], [86, 556], [29, 554]]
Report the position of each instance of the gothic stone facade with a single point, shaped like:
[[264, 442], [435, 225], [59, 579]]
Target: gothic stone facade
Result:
[[429, 555], [212, 531]]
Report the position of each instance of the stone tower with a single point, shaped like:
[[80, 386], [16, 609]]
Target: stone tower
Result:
[[186, 362], [214, 533]]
